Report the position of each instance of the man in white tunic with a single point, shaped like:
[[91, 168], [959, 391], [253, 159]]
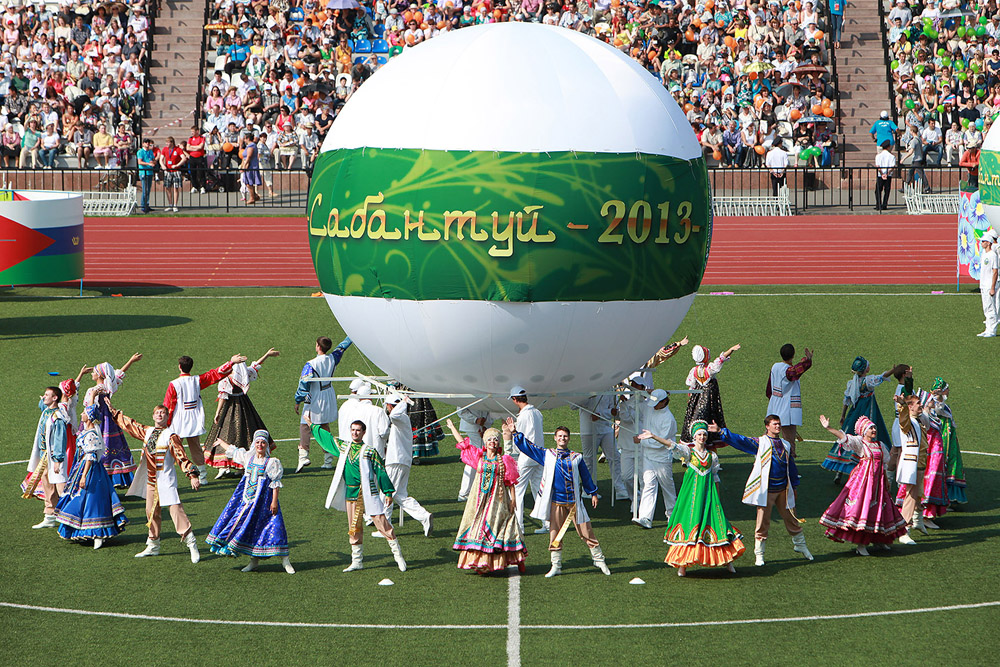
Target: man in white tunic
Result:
[[47, 462], [472, 423], [185, 411], [375, 419], [345, 415], [657, 460], [988, 284], [316, 396], [630, 406], [602, 424], [784, 392], [529, 422], [398, 457], [912, 462], [161, 447]]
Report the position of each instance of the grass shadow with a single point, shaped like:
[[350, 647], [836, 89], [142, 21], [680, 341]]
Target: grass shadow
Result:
[[54, 325]]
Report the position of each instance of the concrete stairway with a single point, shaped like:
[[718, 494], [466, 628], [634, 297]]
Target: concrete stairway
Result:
[[864, 92], [174, 75]]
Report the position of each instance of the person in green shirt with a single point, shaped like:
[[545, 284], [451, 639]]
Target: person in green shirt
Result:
[[358, 463]]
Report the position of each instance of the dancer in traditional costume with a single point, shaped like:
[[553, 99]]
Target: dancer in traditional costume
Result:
[[398, 458], [529, 422], [90, 510], [117, 459], [706, 406], [186, 413], [427, 432], [317, 398], [161, 447], [251, 524], [771, 484], [489, 537], [954, 470], [859, 400], [657, 460], [864, 512], [47, 463], [560, 501], [784, 391], [934, 496], [908, 438], [358, 462], [472, 422], [664, 353], [698, 532], [236, 419]]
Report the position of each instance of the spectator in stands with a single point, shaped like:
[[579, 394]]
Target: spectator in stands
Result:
[[931, 139], [913, 157], [197, 162], [50, 146], [10, 146], [31, 144], [172, 161], [884, 130], [145, 158], [885, 163], [953, 143], [970, 160], [83, 139], [236, 55]]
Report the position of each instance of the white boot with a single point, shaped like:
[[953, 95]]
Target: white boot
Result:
[[252, 565], [222, 473], [918, 521], [303, 460], [799, 544], [287, 564], [906, 538], [428, 525], [98, 542], [327, 461], [556, 568], [356, 554], [397, 553], [192, 545], [152, 548], [862, 550], [598, 557], [49, 521], [930, 524], [758, 551]]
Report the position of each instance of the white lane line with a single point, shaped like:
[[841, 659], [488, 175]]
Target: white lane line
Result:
[[513, 618], [11, 297], [747, 621], [218, 621], [380, 626]]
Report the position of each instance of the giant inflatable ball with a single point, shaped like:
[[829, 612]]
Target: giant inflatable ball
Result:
[[989, 175], [510, 204]]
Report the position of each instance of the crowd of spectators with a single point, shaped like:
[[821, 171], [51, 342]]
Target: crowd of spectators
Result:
[[284, 69], [71, 81]]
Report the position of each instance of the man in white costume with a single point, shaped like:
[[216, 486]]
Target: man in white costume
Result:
[[345, 415], [47, 463], [529, 422], [316, 397], [657, 460], [472, 423], [156, 479], [398, 458], [375, 419], [186, 412], [988, 283], [908, 437], [560, 502], [629, 408], [784, 393], [601, 411]]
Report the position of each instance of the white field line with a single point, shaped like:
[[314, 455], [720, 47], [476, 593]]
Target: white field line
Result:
[[622, 626], [825, 442], [514, 618], [945, 292]]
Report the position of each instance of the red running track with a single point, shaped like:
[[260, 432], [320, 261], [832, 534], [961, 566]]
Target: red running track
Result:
[[273, 252]]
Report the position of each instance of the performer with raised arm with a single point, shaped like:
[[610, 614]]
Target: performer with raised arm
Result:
[[252, 524], [771, 484], [489, 537], [90, 510], [236, 418], [117, 459], [954, 469], [698, 532], [859, 401], [472, 422], [47, 462], [784, 392], [863, 513], [657, 459], [934, 492], [664, 353], [398, 458], [71, 395], [912, 461], [185, 411], [560, 502], [317, 398], [161, 447], [529, 422], [707, 405], [358, 462]]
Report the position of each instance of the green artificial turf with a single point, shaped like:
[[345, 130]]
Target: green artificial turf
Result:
[[956, 565]]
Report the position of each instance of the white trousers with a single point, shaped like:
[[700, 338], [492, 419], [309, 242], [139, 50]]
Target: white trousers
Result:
[[530, 473], [606, 442], [469, 473], [399, 475], [989, 310], [656, 476], [626, 456]]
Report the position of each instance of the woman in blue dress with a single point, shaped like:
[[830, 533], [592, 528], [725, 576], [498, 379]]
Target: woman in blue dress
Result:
[[251, 524], [90, 510]]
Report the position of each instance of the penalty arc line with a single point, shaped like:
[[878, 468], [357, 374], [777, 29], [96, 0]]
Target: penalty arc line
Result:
[[383, 626]]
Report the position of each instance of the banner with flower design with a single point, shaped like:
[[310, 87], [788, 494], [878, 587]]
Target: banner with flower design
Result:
[[972, 224]]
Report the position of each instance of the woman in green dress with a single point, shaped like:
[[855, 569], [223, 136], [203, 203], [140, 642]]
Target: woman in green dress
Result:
[[698, 532]]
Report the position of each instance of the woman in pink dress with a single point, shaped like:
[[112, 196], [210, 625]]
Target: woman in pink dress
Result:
[[864, 513], [935, 495]]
